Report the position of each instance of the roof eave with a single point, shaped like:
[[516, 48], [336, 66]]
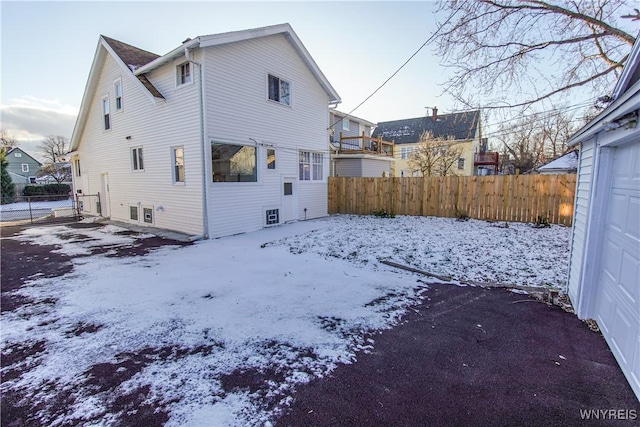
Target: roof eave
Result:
[[236, 36]]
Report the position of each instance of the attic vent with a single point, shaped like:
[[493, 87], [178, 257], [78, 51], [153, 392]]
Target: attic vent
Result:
[[273, 216]]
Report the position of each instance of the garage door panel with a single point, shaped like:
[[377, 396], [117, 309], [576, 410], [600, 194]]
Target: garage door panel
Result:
[[628, 281], [622, 334], [605, 307], [633, 219], [611, 260]]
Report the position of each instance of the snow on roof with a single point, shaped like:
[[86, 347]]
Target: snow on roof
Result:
[[567, 161]]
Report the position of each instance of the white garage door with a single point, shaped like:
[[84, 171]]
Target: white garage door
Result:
[[618, 299]]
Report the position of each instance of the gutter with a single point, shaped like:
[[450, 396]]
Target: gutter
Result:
[[205, 213]]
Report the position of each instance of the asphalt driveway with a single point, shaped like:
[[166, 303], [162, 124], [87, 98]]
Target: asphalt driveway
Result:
[[474, 356], [462, 356]]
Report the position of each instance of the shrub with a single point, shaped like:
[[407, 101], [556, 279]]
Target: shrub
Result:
[[541, 222], [383, 214], [8, 188], [47, 191]]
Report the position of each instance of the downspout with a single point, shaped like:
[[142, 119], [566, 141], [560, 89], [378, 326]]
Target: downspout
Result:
[[205, 213]]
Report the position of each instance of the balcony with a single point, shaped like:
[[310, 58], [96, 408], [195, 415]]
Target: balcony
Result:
[[363, 144], [486, 158]]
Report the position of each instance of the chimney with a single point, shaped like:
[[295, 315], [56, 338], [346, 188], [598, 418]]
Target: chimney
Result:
[[434, 115]]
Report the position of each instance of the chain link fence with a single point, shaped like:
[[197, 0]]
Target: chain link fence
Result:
[[38, 209]]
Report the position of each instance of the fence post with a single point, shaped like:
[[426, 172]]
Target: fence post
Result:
[[30, 212]]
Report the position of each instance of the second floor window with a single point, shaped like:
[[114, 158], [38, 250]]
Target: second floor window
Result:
[[184, 73], [279, 90], [105, 113], [76, 164], [461, 163], [25, 167], [117, 87]]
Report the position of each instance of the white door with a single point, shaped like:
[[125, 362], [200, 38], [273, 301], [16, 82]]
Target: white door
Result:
[[289, 198], [617, 309], [104, 196]]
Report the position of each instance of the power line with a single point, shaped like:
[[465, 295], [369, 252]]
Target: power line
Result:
[[396, 72]]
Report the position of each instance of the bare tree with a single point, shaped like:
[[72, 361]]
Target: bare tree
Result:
[[435, 156], [60, 172], [7, 140], [533, 139], [537, 49], [52, 148]]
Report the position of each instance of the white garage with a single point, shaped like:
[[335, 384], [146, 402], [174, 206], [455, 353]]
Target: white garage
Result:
[[604, 278]]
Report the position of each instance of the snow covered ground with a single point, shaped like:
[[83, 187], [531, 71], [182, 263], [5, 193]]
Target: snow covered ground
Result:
[[220, 332]]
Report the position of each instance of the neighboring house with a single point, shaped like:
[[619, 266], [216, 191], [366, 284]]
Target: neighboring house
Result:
[[604, 272], [463, 127], [225, 134], [354, 152], [567, 163], [21, 166]]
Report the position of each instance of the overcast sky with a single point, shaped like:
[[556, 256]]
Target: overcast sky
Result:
[[48, 47]]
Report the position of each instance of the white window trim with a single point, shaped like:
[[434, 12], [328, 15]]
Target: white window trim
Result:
[[345, 123], [102, 109], [174, 180], [25, 167], [115, 95], [290, 104], [312, 167], [133, 169], [177, 73]]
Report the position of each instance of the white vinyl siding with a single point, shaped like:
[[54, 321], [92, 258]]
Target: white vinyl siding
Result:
[[156, 127], [581, 205], [239, 111]]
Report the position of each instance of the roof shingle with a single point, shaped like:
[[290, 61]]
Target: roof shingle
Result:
[[460, 126]]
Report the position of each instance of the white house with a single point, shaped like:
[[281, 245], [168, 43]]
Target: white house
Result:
[[227, 133], [604, 277]]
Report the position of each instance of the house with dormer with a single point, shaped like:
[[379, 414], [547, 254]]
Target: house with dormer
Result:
[[461, 129], [226, 133]]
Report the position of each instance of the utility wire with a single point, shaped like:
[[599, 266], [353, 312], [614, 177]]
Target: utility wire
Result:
[[396, 72]]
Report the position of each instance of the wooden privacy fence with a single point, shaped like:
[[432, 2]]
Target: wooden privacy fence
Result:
[[520, 198]]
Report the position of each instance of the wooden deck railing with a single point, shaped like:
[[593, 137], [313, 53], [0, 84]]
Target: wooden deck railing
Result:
[[363, 144]]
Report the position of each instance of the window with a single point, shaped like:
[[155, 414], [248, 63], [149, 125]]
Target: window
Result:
[[105, 113], [136, 159], [271, 158], [233, 163], [461, 163], [279, 90], [345, 124], [17, 154], [147, 215], [133, 213], [184, 73], [288, 188], [405, 152], [76, 166], [311, 166], [178, 164], [117, 88], [25, 167]]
